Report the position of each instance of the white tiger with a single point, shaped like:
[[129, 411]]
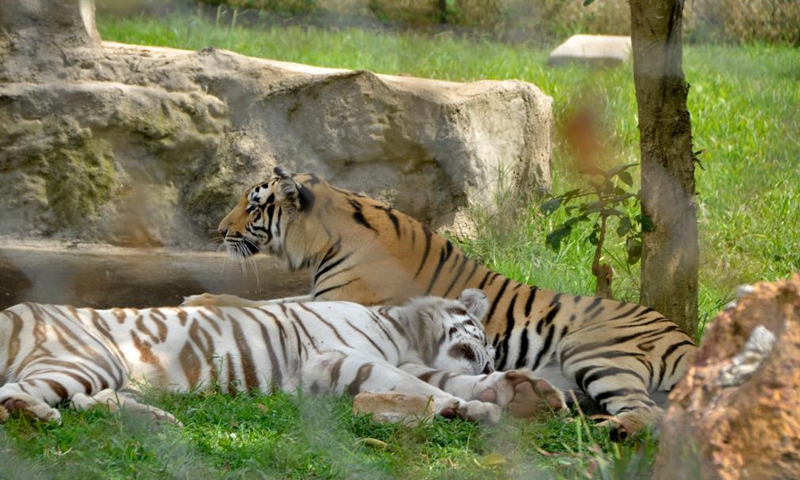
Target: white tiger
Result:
[[430, 346]]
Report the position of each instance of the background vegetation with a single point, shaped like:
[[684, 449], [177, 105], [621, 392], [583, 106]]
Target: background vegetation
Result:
[[717, 21], [744, 102]]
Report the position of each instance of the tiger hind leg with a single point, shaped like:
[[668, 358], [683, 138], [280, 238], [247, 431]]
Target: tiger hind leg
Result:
[[14, 401], [116, 401], [22, 404], [619, 387], [349, 371]]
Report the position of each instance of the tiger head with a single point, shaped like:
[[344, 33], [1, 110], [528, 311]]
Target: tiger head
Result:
[[451, 335], [259, 221]]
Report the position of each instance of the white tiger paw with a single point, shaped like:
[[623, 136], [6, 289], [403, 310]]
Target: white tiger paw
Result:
[[30, 407], [524, 395], [474, 410], [3, 414]]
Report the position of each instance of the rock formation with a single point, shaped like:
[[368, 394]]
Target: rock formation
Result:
[[151, 146], [736, 413]]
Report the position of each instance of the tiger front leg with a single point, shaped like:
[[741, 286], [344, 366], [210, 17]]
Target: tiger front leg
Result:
[[518, 391], [225, 300], [349, 371], [115, 401]]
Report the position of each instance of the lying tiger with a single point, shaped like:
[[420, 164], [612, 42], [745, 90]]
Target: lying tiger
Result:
[[49, 354], [361, 250]]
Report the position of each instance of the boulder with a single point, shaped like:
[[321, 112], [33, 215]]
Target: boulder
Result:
[[736, 412], [147, 146], [592, 50]]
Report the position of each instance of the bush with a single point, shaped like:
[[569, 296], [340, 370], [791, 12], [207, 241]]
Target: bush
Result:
[[734, 21], [415, 13], [714, 21], [281, 7]]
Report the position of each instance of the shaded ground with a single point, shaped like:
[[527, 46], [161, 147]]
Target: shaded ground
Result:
[[102, 276]]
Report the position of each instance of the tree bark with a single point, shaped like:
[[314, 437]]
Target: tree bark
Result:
[[670, 252]]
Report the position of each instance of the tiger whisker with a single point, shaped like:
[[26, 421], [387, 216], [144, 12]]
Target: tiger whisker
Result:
[[252, 262], [212, 242]]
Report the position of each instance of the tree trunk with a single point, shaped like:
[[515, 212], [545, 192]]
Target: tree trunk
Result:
[[670, 252]]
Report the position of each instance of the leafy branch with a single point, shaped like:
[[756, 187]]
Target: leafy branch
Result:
[[607, 196]]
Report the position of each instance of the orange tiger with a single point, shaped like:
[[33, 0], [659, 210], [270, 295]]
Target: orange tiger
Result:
[[622, 355]]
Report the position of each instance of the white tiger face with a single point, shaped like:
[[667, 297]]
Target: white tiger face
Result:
[[464, 345]]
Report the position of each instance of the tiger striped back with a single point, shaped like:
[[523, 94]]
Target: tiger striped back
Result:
[[361, 250], [51, 353]]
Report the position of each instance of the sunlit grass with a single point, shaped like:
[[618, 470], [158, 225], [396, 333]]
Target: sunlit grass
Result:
[[744, 103], [285, 436]]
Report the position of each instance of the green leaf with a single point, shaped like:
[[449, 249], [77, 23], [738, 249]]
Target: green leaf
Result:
[[551, 205], [572, 221], [592, 238], [626, 177], [555, 237], [624, 226], [586, 3], [633, 247], [646, 222], [595, 207], [620, 168]]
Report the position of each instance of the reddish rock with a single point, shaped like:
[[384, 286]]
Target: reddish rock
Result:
[[726, 421], [394, 407]]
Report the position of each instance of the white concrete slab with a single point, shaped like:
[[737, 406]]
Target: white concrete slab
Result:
[[592, 50]]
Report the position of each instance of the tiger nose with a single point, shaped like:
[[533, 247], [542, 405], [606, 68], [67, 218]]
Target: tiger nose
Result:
[[223, 232], [488, 368]]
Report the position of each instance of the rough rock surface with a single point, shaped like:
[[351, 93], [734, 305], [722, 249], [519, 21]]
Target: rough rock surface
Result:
[[726, 421], [151, 146]]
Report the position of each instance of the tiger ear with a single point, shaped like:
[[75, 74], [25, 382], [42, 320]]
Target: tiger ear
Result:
[[475, 301], [287, 194], [280, 172]]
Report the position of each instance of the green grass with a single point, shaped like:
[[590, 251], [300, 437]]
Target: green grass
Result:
[[744, 103], [286, 436]]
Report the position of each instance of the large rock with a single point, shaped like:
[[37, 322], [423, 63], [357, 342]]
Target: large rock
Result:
[[151, 146], [736, 412]]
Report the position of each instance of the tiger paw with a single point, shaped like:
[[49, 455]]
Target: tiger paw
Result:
[[208, 300], [630, 423], [31, 408], [3, 414], [524, 395], [475, 411]]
